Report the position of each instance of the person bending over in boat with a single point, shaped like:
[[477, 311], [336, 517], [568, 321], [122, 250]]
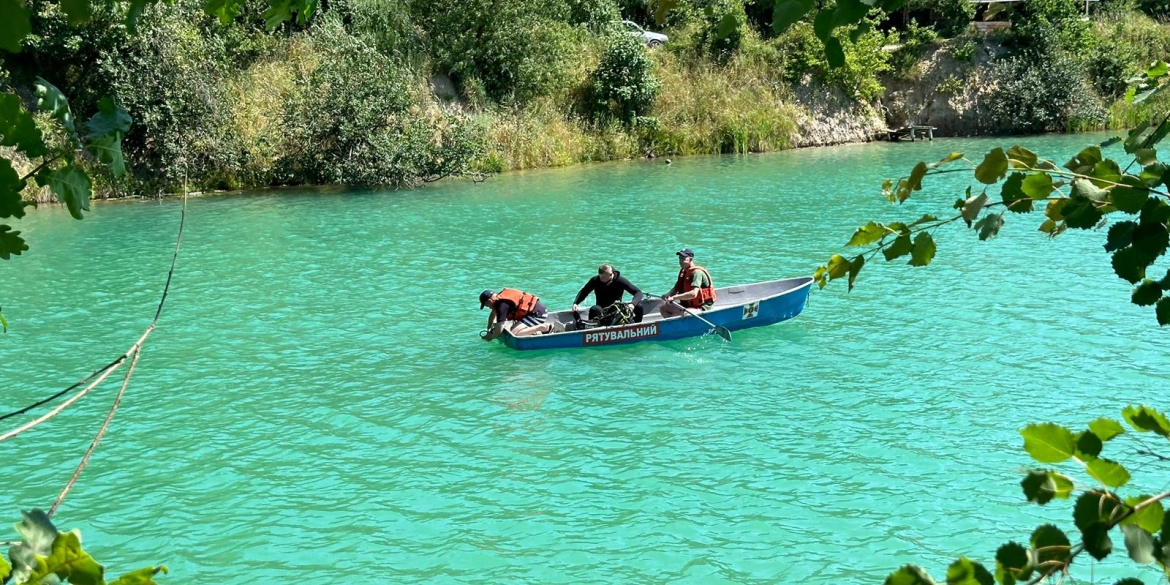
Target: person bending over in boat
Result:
[[608, 287], [526, 313], [694, 288]]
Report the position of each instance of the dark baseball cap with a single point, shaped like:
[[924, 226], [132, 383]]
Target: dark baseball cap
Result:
[[686, 253], [485, 298]]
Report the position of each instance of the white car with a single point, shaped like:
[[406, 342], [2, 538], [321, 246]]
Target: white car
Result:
[[652, 39]]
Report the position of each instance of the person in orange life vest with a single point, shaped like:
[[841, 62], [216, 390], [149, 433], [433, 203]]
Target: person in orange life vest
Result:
[[526, 313], [693, 289]]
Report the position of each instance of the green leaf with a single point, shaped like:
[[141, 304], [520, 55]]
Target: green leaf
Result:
[[727, 25], [108, 150], [50, 99], [5, 568], [17, 127], [787, 13], [133, 12], [78, 11], [1120, 235], [990, 224], [1147, 293], [1013, 562], [849, 12], [1079, 212], [1013, 194], [854, 269], [1133, 140], [1088, 446], [923, 251], [909, 575], [227, 10], [1054, 209], [1131, 196], [1153, 174], [1129, 264], [11, 203], [1083, 162], [916, 176], [11, 244], [1048, 226], [1105, 172], [867, 234], [1146, 156], [967, 572], [1150, 518], [1048, 442], [1021, 158], [926, 218], [1139, 543], [1096, 540], [1088, 190], [1145, 419], [14, 24], [110, 119], [834, 52], [993, 167], [1106, 428], [70, 563], [1108, 472], [141, 576], [1041, 486], [1094, 506], [1050, 544], [972, 206], [1151, 239], [37, 535], [1037, 186], [72, 187], [1162, 311], [899, 248], [1155, 211], [838, 266]]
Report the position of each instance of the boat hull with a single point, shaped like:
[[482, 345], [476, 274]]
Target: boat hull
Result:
[[738, 307]]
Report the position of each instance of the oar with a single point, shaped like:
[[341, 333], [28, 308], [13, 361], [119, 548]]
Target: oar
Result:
[[719, 329]]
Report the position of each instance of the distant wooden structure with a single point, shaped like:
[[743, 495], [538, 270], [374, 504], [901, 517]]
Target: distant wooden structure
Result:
[[912, 131]]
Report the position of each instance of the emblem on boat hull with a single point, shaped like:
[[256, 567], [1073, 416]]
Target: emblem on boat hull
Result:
[[751, 310]]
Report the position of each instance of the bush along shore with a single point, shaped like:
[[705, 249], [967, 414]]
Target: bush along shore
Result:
[[402, 92]]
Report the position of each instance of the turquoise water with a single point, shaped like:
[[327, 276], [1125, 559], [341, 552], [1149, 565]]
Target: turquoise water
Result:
[[316, 404]]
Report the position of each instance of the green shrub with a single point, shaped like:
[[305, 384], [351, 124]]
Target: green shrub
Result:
[[964, 50], [914, 42], [1111, 65], [623, 85], [722, 29], [1041, 27], [355, 121], [801, 53], [1156, 8], [1028, 99], [171, 77], [950, 17], [519, 49]]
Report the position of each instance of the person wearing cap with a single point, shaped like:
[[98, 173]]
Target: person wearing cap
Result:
[[694, 288], [525, 311], [608, 287]]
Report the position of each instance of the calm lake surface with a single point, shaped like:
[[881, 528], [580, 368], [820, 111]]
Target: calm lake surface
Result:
[[316, 405]]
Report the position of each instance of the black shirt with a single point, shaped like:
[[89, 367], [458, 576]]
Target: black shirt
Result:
[[608, 293]]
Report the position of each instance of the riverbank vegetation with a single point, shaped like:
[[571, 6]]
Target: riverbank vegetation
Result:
[[399, 92]]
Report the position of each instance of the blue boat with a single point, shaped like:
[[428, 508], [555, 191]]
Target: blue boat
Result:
[[736, 307]]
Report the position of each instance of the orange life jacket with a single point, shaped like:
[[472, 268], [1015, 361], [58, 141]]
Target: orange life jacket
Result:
[[706, 294], [523, 302]]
